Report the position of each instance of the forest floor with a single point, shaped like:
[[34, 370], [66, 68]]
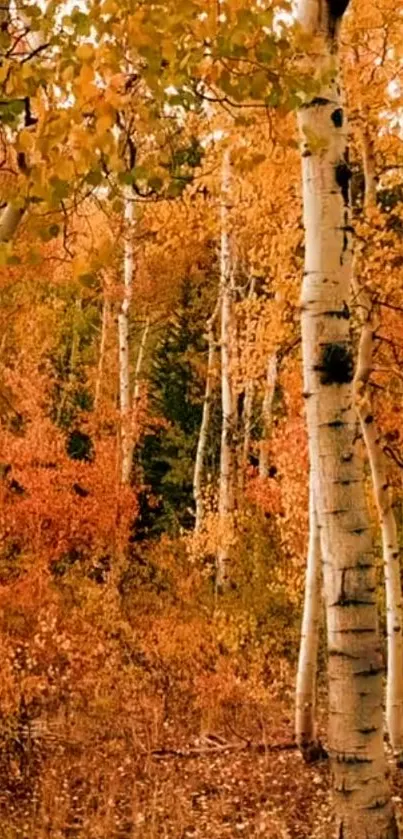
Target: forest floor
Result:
[[184, 787], [215, 789], [176, 784], [201, 787], [238, 794]]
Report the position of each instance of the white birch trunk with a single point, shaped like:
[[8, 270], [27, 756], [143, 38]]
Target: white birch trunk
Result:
[[377, 460], [247, 425], [362, 801], [205, 423], [390, 544], [124, 347], [9, 221], [249, 396], [139, 363], [102, 346], [75, 345], [137, 385], [226, 487], [305, 698], [267, 414]]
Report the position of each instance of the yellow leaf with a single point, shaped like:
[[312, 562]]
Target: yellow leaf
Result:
[[104, 122], [109, 7], [65, 169], [26, 141], [85, 52]]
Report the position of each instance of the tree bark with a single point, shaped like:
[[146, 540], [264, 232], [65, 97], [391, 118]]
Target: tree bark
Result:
[[227, 458], [247, 412], [305, 699], [205, 423], [137, 380], [102, 346], [9, 221], [68, 388], [362, 801], [124, 347], [267, 415], [377, 461]]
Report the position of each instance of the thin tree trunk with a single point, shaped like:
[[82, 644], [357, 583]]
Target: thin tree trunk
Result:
[[226, 488], [102, 346], [362, 801], [247, 426], [249, 397], [205, 423], [9, 221], [75, 346], [377, 460], [124, 347], [137, 380], [139, 362], [305, 698], [267, 414]]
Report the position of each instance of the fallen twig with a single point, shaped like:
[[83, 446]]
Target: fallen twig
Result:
[[205, 751]]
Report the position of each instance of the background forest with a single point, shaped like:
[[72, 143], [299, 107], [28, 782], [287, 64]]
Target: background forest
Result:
[[154, 477]]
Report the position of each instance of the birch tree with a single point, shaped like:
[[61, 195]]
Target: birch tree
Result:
[[305, 704], [124, 347], [267, 414], [102, 348], [362, 802], [226, 486], [383, 499], [247, 412], [137, 379], [9, 221], [205, 423]]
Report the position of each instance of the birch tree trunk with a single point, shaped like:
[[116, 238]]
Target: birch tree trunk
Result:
[[247, 427], [124, 348], [137, 382], [67, 390], [377, 461], [226, 487], [249, 395], [362, 801], [205, 423], [305, 699], [9, 221], [267, 413], [102, 346]]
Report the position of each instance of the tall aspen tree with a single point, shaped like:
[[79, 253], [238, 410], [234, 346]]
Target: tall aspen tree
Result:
[[267, 414], [124, 347], [362, 801], [383, 499], [205, 423], [247, 412], [227, 460], [305, 699]]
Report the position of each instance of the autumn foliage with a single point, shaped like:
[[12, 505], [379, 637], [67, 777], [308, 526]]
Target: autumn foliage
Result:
[[116, 648]]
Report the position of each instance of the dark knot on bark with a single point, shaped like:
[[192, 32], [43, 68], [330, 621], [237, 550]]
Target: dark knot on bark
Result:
[[336, 365]]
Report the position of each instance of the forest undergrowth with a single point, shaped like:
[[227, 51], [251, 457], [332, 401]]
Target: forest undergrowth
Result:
[[143, 706]]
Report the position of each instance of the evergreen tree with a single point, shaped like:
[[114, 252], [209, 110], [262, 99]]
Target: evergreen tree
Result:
[[177, 387]]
